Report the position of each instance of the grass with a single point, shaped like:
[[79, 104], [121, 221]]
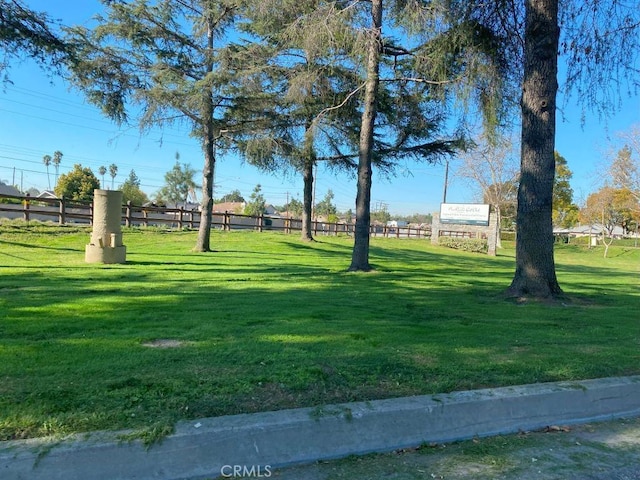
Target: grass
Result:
[[269, 322]]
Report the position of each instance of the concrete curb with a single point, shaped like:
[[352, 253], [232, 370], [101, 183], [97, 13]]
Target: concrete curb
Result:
[[252, 445]]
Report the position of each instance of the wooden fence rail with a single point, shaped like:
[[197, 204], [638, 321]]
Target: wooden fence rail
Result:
[[64, 211]]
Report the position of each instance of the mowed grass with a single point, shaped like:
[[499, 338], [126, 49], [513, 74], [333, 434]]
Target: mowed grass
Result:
[[269, 322]]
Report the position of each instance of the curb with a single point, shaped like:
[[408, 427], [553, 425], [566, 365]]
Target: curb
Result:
[[252, 445]]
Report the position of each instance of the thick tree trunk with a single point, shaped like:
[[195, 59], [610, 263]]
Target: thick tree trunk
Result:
[[360, 255], [307, 177], [206, 215], [535, 274], [208, 147], [307, 201]]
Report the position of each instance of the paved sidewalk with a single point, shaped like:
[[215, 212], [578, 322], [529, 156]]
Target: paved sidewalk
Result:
[[596, 451]]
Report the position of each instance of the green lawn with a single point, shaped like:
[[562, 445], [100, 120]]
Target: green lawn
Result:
[[269, 322]]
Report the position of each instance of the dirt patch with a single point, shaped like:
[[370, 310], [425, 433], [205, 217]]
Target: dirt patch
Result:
[[165, 343]]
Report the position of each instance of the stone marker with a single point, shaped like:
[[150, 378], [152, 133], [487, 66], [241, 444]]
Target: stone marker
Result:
[[106, 239]]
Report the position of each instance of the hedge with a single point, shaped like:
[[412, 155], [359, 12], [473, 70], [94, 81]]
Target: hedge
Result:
[[475, 245]]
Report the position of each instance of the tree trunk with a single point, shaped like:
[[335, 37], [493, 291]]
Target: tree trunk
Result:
[[360, 256], [499, 226], [307, 200], [535, 274], [307, 176], [206, 215], [208, 147]]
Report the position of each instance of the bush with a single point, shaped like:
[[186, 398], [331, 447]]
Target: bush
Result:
[[475, 245], [508, 236]]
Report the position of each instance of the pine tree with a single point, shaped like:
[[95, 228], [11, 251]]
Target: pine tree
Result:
[[166, 60]]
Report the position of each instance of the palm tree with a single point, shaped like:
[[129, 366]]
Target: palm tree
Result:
[[113, 171], [102, 170], [57, 157], [47, 161]]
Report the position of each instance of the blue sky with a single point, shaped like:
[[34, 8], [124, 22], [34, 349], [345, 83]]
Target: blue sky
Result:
[[40, 114]]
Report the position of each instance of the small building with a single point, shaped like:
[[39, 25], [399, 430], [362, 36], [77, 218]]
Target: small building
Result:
[[47, 195], [396, 224], [231, 207], [9, 190], [588, 231]]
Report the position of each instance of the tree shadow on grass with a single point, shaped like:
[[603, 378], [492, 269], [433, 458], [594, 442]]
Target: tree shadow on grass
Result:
[[72, 352], [40, 247]]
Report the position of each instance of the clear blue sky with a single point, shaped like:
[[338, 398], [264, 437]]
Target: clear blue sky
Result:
[[40, 114]]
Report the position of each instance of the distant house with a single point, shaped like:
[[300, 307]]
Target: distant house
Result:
[[184, 205], [270, 210], [47, 194], [396, 224], [9, 190], [231, 207], [586, 231]]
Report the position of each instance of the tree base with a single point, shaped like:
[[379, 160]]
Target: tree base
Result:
[[526, 290], [197, 249], [360, 268]]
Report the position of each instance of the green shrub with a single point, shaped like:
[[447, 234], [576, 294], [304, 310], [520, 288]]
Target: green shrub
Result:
[[508, 236], [475, 245]]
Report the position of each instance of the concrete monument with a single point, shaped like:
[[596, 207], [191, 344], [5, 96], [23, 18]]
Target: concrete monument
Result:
[[106, 239]]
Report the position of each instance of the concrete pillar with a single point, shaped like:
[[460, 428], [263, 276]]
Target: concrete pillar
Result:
[[106, 239], [435, 228], [492, 233]]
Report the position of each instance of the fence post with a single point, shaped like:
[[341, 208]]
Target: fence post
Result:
[[127, 215], [180, 217], [26, 207], [61, 211], [260, 222], [145, 216], [226, 219]]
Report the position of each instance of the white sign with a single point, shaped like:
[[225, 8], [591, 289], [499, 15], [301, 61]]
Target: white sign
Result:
[[465, 213]]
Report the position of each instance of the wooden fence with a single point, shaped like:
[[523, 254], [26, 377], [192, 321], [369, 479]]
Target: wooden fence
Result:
[[64, 211]]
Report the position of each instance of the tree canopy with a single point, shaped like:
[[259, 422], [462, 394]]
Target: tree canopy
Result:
[[78, 184], [624, 171], [131, 191], [256, 205], [290, 77], [565, 211], [25, 32], [609, 208], [234, 196], [325, 207], [178, 183], [491, 167]]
